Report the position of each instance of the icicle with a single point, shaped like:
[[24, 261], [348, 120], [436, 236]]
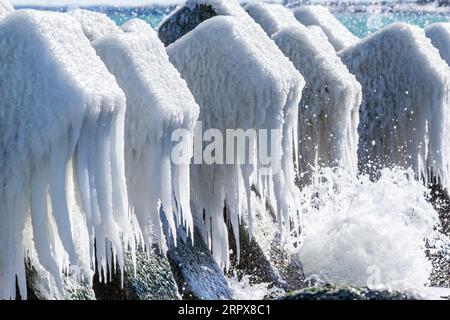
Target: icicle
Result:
[[158, 103], [241, 80]]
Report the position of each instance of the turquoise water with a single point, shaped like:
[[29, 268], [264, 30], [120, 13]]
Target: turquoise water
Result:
[[360, 23]]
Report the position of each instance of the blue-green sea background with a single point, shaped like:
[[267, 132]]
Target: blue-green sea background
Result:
[[361, 22]]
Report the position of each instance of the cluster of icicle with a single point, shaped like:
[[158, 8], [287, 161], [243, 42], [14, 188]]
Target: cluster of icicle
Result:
[[62, 145], [76, 147], [329, 109], [261, 92]]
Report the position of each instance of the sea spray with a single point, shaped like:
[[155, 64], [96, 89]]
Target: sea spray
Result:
[[364, 233]]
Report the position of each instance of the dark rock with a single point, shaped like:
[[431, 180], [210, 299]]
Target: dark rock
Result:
[[182, 21], [329, 292], [196, 272], [263, 258], [153, 280], [40, 287]]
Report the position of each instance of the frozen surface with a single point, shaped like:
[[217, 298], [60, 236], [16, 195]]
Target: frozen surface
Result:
[[62, 163], [158, 103], [5, 8], [271, 17], [241, 80], [94, 24], [439, 33], [137, 25], [404, 113], [339, 36], [329, 109], [363, 233], [328, 116]]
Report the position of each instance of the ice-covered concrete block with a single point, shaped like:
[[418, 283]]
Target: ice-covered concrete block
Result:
[[403, 116], [339, 36], [158, 103], [329, 109], [94, 24], [271, 17], [62, 134], [241, 80], [439, 33]]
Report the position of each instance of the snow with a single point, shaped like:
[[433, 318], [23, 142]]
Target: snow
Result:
[[158, 103], [271, 17], [94, 24], [339, 36], [439, 33], [5, 8], [62, 135], [242, 80], [405, 102], [363, 233], [328, 117]]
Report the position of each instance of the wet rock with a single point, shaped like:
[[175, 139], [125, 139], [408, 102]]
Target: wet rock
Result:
[[329, 292], [153, 280], [184, 20], [195, 270], [263, 257], [41, 287]]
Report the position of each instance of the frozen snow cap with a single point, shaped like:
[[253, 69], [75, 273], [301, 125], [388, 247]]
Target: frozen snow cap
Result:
[[94, 24], [439, 33], [272, 17], [339, 36], [137, 25], [5, 8]]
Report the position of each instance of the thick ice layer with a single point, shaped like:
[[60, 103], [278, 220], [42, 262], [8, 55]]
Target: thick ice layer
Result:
[[339, 36], [241, 80], [271, 17], [328, 117], [5, 8], [439, 33], [61, 140], [403, 116], [363, 233], [94, 24], [158, 103]]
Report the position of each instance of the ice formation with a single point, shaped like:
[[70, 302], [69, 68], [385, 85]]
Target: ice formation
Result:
[[403, 116], [62, 137], [328, 116], [364, 233], [439, 33], [339, 36], [94, 24], [241, 80], [5, 8], [271, 17], [158, 103]]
